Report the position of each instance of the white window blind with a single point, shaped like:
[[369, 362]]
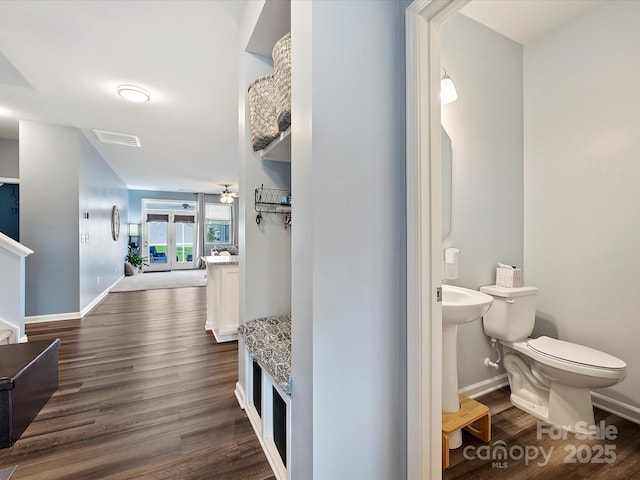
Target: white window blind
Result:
[[217, 212]]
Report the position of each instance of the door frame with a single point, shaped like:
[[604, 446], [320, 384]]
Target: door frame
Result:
[[424, 235], [171, 242]]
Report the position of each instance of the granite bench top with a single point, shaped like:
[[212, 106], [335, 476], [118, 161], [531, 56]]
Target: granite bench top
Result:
[[268, 340]]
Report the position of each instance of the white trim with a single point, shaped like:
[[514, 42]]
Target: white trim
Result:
[[421, 441], [485, 386], [223, 337], [23, 339], [9, 180], [263, 425], [99, 298], [268, 447], [55, 317], [14, 247], [424, 238], [266, 440], [15, 330], [239, 393], [621, 409]]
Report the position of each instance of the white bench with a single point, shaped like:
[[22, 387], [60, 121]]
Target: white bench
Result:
[[265, 345]]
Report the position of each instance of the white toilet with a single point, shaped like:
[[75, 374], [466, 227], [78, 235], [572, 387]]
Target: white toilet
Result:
[[550, 379]]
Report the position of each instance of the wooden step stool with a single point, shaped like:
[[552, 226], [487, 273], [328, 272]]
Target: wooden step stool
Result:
[[473, 416]]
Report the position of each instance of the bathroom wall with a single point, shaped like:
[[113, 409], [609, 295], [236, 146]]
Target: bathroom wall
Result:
[[485, 126], [582, 202]]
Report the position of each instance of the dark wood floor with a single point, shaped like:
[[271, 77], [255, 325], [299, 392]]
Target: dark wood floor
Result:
[[145, 393], [518, 430]]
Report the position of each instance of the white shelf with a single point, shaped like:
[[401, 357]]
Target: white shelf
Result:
[[280, 149]]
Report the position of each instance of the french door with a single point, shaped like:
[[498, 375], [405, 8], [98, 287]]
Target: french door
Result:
[[168, 240]]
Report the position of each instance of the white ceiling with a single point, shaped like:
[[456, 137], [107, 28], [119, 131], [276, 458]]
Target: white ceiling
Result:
[[526, 20], [64, 59], [69, 57]]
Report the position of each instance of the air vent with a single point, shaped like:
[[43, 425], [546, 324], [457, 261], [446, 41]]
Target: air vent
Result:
[[118, 138]]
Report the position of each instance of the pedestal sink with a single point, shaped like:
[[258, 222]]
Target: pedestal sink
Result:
[[459, 306]]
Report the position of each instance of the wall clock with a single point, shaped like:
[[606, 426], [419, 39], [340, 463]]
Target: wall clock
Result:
[[115, 223]]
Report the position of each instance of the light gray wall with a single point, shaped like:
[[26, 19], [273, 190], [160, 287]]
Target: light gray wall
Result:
[[348, 258], [9, 158], [62, 177], [101, 258], [582, 202], [486, 129], [49, 191]]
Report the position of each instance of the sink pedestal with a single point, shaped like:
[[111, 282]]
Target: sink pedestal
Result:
[[459, 306], [450, 400]]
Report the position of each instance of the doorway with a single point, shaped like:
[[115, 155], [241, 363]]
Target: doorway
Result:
[[168, 235], [10, 210], [424, 235]]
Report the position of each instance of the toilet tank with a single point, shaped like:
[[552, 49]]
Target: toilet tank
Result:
[[512, 314]]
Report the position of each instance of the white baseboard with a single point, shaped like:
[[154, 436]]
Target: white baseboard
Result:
[[239, 392], [114, 283], [224, 337], [23, 339], [56, 317], [485, 386], [621, 409], [99, 298]]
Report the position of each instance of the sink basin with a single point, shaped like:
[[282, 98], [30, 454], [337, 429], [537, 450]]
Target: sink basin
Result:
[[462, 305]]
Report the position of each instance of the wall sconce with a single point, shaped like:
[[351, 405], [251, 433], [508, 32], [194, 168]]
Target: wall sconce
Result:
[[134, 230], [448, 92]]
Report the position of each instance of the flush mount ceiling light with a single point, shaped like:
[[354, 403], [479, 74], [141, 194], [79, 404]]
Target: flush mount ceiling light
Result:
[[226, 196], [134, 93], [448, 92]]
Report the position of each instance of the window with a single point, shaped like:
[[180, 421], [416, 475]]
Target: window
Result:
[[217, 224]]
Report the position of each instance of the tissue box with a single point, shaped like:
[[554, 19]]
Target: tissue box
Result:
[[509, 277]]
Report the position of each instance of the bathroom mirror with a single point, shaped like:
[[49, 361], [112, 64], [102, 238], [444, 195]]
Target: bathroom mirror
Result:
[[447, 157]]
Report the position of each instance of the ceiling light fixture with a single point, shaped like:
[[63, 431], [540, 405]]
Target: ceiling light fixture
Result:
[[448, 92], [134, 93]]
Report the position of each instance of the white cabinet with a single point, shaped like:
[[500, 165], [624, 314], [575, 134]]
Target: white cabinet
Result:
[[222, 297]]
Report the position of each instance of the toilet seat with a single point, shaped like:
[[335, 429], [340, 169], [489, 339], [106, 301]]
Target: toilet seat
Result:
[[575, 353], [568, 365]]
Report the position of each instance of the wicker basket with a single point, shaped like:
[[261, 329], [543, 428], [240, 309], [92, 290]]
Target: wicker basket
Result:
[[262, 112], [282, 79]]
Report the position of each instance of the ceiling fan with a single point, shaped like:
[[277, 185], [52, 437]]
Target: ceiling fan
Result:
[[226, 196]]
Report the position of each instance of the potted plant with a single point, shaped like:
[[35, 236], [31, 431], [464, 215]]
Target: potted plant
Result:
[[133, 262]]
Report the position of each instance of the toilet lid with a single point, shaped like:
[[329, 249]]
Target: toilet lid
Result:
[[572, 352]]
